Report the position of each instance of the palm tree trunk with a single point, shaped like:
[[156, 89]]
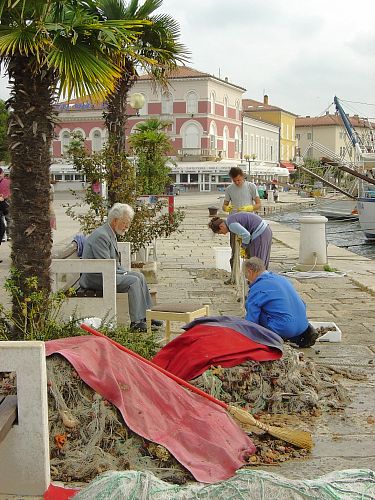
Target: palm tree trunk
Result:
[[30, 133], [115, 118]]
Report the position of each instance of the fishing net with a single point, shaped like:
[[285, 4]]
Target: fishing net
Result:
[[246, 484], [89, 436], [291, 385]]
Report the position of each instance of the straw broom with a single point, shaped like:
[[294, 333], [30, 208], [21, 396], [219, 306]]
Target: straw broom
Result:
[[296, 437]]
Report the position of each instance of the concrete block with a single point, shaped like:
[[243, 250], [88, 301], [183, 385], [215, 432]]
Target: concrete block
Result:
[[24, 453]]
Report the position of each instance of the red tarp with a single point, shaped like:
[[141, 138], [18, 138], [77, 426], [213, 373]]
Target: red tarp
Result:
[[194, 351], [59, 493], [197, 432]]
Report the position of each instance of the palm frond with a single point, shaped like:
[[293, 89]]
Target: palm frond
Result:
[[81, 71]]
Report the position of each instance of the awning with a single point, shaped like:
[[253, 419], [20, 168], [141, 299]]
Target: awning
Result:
[[289, 165]]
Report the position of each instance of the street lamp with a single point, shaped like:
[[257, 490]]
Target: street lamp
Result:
[[137, 101]]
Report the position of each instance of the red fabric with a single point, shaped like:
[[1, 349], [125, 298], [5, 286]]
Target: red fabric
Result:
[[198, 433], [194, 351], [59, 493]]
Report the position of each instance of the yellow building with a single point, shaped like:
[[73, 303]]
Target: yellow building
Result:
[[277, 116]]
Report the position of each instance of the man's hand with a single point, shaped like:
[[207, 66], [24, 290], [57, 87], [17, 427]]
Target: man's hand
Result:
[[246, 208]]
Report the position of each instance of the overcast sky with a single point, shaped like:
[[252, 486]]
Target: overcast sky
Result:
[[299, 52]]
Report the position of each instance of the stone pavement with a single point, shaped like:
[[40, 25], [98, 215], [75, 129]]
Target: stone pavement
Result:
[[186, 272]]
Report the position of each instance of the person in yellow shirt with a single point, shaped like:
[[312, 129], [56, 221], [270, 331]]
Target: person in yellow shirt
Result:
[[240, 196]]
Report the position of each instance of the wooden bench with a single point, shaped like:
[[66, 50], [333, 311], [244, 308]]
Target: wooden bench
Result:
[[8, 414]]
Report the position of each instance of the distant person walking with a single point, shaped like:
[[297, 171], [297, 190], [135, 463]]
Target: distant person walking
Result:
[[240, 196], [4, 204]]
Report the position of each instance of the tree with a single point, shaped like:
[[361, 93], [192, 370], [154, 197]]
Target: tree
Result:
[[151, 145], [150, 221], [48, 48], [4, 115], [158, 52]]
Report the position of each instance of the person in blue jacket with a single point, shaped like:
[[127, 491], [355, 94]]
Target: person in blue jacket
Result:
[[274, 303]]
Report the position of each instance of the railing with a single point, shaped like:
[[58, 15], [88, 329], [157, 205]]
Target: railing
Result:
[[198, 152]]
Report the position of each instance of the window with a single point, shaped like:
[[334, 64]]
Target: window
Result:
[[225, 142], [191, 103], [292, 133], [96, 144], [69, 177], [212, 103], [282, 130], [183, 177], [262, 151], [65, 140], [238, 114], [309, 136], [166, 104], [225, 106], [193, 177], [287, 131], [237, 141], [213, 134], [298, 136]]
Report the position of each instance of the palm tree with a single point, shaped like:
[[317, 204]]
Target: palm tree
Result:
[[48, 48], [157, 51]]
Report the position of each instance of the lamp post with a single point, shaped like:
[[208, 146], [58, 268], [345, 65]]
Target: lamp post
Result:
[[137, 101]]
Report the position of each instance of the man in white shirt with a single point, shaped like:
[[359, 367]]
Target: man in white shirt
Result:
[[240, 196]]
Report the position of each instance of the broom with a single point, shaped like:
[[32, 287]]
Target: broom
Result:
[[296, 437]]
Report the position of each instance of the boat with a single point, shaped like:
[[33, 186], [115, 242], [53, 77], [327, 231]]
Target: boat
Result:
[[366, 213], [339, 209]]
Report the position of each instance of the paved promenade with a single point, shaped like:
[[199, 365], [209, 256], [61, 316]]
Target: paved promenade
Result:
[[187, 272]]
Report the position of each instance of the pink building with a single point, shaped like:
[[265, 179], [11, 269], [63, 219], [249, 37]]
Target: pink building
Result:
[[205, 116]]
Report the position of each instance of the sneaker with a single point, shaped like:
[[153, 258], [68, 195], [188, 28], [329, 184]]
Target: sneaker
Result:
[[138, 326]]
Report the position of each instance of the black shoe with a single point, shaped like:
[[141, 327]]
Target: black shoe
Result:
[[138, 326], [157, 322]]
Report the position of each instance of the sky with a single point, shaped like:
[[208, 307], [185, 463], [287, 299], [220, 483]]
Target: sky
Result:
[[301, 53]]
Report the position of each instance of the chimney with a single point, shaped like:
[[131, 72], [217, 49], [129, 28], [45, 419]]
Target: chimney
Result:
[[327, 113], [265, 99], [226, 78]]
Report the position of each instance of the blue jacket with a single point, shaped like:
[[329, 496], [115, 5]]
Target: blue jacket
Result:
[[273, 302]]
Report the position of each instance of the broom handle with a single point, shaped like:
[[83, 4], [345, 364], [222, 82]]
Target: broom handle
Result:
[[159, 368]]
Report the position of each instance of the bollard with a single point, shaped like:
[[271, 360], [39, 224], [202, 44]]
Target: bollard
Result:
[[312, 243]]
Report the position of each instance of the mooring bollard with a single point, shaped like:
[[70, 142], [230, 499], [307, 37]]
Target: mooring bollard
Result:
[[312, 243]]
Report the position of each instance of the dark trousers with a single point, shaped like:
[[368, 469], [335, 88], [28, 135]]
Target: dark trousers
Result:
[[2, 227]]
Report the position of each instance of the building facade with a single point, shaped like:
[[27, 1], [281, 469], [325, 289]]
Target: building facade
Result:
[[285, 120], [205, 127], [328, 131]]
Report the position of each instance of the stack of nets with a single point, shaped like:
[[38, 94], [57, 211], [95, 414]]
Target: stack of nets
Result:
[[262, 485], [290, 385], [89, 436]]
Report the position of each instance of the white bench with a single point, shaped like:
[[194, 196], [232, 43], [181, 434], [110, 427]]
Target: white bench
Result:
[[65, 274], [24, 449]]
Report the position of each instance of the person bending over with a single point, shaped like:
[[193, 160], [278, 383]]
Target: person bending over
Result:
[[102, 244], [255, 233], [273, 302], [240, 196]]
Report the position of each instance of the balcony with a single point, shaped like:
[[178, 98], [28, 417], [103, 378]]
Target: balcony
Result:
[[197, 154]]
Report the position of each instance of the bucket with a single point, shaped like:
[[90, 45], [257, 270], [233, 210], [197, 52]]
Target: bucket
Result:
[[212, 211], [222, 258]]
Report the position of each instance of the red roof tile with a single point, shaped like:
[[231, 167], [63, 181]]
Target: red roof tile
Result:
[[326, 120]]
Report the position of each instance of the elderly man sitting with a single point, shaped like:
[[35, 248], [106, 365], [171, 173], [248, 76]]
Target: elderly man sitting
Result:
[[102, 244], [273, 302]]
